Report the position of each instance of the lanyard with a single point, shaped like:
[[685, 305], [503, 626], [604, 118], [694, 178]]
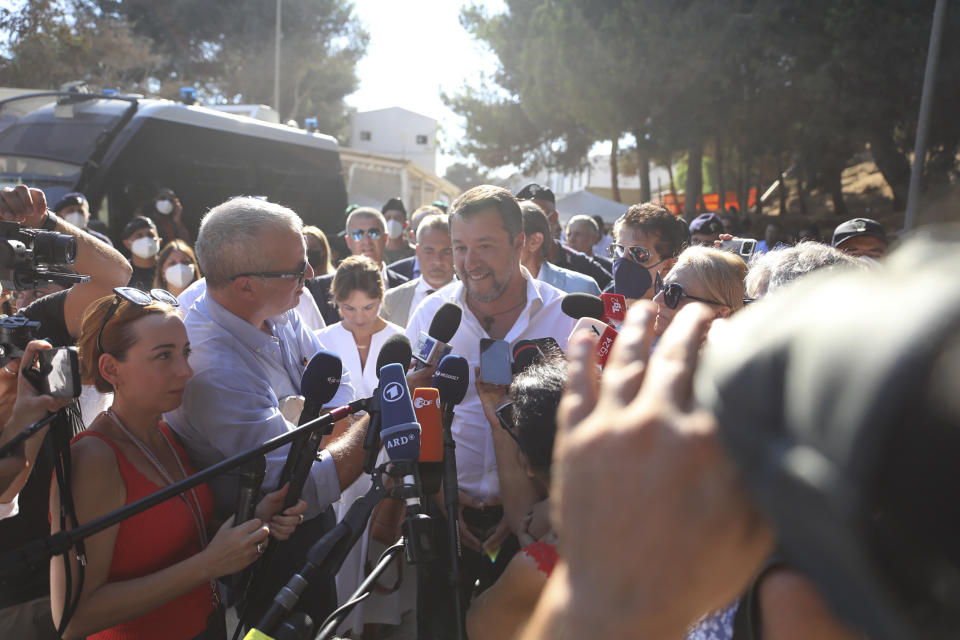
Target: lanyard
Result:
[[196, 510]]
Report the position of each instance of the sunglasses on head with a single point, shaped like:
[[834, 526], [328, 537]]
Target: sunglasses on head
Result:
[[673, 293], [505, 416], [373, 233], [636, 252], [137, 297]]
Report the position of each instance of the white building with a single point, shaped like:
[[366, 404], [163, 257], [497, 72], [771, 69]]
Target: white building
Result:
[[396, 133]]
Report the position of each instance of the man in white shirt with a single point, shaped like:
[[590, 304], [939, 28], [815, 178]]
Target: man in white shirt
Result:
[[501, 300], [435, 256]]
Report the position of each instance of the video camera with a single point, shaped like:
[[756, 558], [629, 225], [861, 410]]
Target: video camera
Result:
[[27, 256]]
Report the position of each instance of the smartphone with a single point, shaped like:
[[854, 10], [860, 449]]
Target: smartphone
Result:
[[59, 371], [743, 247], [495, 361]]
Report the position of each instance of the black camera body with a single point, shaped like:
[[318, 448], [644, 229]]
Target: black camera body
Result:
[[30, 258], [15, 333]]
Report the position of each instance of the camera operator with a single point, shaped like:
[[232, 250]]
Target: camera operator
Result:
[[25, 604]]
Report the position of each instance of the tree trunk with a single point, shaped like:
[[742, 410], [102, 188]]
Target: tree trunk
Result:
[[673, 184], [833, 184], [743, 186], [894, 167], [801, 195], [615, 169], [721, 187], [694, 187], [643, 168], [783, 194]]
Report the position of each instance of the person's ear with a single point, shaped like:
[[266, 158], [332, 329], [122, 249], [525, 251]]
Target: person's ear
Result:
[[127, 242], [534, 241], [243, 287], [723, 312], [109, 369], [518, 241]]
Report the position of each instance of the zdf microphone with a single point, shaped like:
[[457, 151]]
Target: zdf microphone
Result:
[[426, 404]]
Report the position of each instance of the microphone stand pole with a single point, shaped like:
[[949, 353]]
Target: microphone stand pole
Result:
[[34, 555], [451, 493]]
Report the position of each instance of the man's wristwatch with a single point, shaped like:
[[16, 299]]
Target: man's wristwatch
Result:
[[50, 221]]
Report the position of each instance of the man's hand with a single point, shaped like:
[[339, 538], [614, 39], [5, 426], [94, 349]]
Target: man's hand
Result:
[[653, 522], [492, 396], [420, 378], [23, 204]]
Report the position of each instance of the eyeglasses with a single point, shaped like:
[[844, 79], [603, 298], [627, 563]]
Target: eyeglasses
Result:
[[636, 252], [373, 232], [137, 297], [299, 275], [505, 416], [672, 293]]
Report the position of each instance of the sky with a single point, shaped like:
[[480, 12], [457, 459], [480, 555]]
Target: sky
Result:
[[418, 49]]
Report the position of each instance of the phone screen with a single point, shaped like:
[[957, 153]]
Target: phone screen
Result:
[[495, 361], [63, 377]]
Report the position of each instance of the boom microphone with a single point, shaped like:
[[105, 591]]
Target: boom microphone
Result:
[[604, 334], [432, 346], [582, 305], [426, 404]]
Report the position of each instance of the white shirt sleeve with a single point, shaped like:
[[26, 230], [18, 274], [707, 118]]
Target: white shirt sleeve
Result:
[[309, 312], [10, 509]]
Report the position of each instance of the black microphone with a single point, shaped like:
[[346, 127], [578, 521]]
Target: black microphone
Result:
[[432, 346], [396, 349], [298, 626], [319, 384], [251, 477], [582, 305]]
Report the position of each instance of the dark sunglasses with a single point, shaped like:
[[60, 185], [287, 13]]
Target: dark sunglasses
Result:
[[299, 275], [672, 293], [373, 232], [505, 416], [636, 252], [137, 297]]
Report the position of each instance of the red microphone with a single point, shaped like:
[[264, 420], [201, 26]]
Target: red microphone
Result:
[[604, 334], [614, 309], [426, 405]]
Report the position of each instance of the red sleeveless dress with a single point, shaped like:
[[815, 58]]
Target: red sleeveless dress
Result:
[[152, 540]]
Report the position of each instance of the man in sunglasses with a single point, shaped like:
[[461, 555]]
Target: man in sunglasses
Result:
[[650, 236], [366, 235]]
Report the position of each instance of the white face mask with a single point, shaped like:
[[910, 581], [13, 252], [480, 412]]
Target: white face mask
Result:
[[165, 207], [179, 275], [77, 219], [394, 229], [145, 248]]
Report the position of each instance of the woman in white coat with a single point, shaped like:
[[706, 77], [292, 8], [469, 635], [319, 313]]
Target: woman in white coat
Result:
[[357, 289]]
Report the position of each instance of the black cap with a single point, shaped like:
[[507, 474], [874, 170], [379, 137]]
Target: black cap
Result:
[[533, 191], [858, 227], [394, 204], [707, 223], [135, 224], [70, 199]]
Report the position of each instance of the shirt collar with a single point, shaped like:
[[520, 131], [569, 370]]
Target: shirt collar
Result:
[[240, 328]]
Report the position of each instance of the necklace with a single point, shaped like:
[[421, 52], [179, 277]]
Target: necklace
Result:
[[487, 319], [196, 510]]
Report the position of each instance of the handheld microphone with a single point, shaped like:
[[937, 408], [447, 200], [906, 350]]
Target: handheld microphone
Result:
[[400, 432], [251, 478], [604, 333], [395, 350], [451, 380], [319, 383], [426, 404], [525, 353], [582, 305], [614, 309], [432, 346]]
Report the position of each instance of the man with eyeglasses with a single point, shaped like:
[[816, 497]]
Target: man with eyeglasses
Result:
[[366, 235], [651, 236], [250, 348]]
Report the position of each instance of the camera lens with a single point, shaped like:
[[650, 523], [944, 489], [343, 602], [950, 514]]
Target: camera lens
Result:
[[52, 248]]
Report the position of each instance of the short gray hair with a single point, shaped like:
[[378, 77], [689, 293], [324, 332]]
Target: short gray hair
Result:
[[231, 237], [368, 212], [584, 218], [433, 222], [775, 269]]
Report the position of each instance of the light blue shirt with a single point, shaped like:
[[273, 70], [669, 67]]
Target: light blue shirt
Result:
[[231, 404], [567, 281]]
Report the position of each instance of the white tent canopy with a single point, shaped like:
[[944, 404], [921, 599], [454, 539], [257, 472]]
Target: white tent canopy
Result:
[[590, 204]]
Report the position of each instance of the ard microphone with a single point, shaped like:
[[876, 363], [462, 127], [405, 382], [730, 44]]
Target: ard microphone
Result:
[[395, 350], [582, 305], [250, 477], [400, 432], [602, 332], [614, 309], [426, 404], [319, 383], [432, 346]]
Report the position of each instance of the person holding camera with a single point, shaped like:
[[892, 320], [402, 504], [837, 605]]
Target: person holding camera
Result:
[[152, 575], [167, 214], [25, 600]]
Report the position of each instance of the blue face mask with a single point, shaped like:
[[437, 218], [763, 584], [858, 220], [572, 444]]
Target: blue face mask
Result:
[[630, 279]]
